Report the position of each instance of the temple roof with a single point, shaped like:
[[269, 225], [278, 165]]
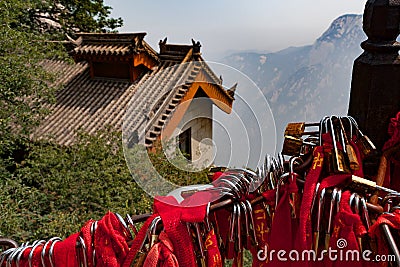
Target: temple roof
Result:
[[89, 104], [112, 44]]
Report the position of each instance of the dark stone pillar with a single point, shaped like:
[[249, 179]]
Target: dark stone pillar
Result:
[[375, 86]]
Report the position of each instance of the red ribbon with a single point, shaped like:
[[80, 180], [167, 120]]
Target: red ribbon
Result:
[[343, 237], [282, 235], [304, 235], [213, 254], [393, 221], [162, 253]]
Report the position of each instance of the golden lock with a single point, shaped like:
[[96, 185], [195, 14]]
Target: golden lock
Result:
[[365, 145], [363, 142], [339, 163], [292, 145], [351, 154], [295, 129]]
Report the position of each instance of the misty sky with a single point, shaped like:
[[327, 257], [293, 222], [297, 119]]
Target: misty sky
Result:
[[223, 26]]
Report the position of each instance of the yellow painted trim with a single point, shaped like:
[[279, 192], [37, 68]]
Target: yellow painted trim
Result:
[[211, 90], [214, 92], [142, 58]]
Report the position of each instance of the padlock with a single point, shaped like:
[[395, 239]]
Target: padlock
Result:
[[297, 129], [363, 142], [294, 200], [252, 223], [351, 154], [239, 243], [318, 225], [330, 218], [338, 158], [153, 230], [141, 255], [328, 162], [292, 145], [230, 243], [200, 242]]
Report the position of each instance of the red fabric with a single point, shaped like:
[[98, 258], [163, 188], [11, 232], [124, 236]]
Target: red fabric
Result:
[[262, 227], [269, 197], [343, 228], [334, 180], [393, 166], [193, 208], [111, 243], [64, 252], [172, 215], [161, 254], [222, 218], [24, 258], [282, 236], [359, 172], [87, 237], [394, 132], [137, 242], [213, 254], [393, 221], [304, 234], [216, 175]]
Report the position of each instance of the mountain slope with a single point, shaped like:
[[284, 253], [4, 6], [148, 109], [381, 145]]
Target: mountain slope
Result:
[[306, 83]]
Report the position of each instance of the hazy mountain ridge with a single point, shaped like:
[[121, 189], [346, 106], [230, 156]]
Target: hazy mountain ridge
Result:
[[305, 83]]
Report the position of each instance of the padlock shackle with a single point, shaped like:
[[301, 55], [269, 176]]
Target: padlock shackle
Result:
[[356, 125], [350, 125], [341, 134], [321, 128], [334, 144], [331, 206], [320, 207], [365, 213]]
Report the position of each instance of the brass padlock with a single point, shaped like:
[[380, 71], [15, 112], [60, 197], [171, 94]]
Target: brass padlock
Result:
[[363, 142], [328, 162], [295, 129], [348, 148], [292, 145], [339, 161], [365, 145]]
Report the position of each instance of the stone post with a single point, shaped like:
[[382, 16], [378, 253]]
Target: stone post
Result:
[[375, 86]]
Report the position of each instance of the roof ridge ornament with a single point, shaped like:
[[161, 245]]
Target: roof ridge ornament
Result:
[[231, 91]]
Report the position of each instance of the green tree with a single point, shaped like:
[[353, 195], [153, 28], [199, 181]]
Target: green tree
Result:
[[27, 34], [24, 85], [57, 189], [67, 17]]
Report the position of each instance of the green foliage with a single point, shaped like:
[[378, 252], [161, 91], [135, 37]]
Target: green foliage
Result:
[[67, 17], [25, 40], [48, 190], [23, 83], [57, 189], [169, 169]]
